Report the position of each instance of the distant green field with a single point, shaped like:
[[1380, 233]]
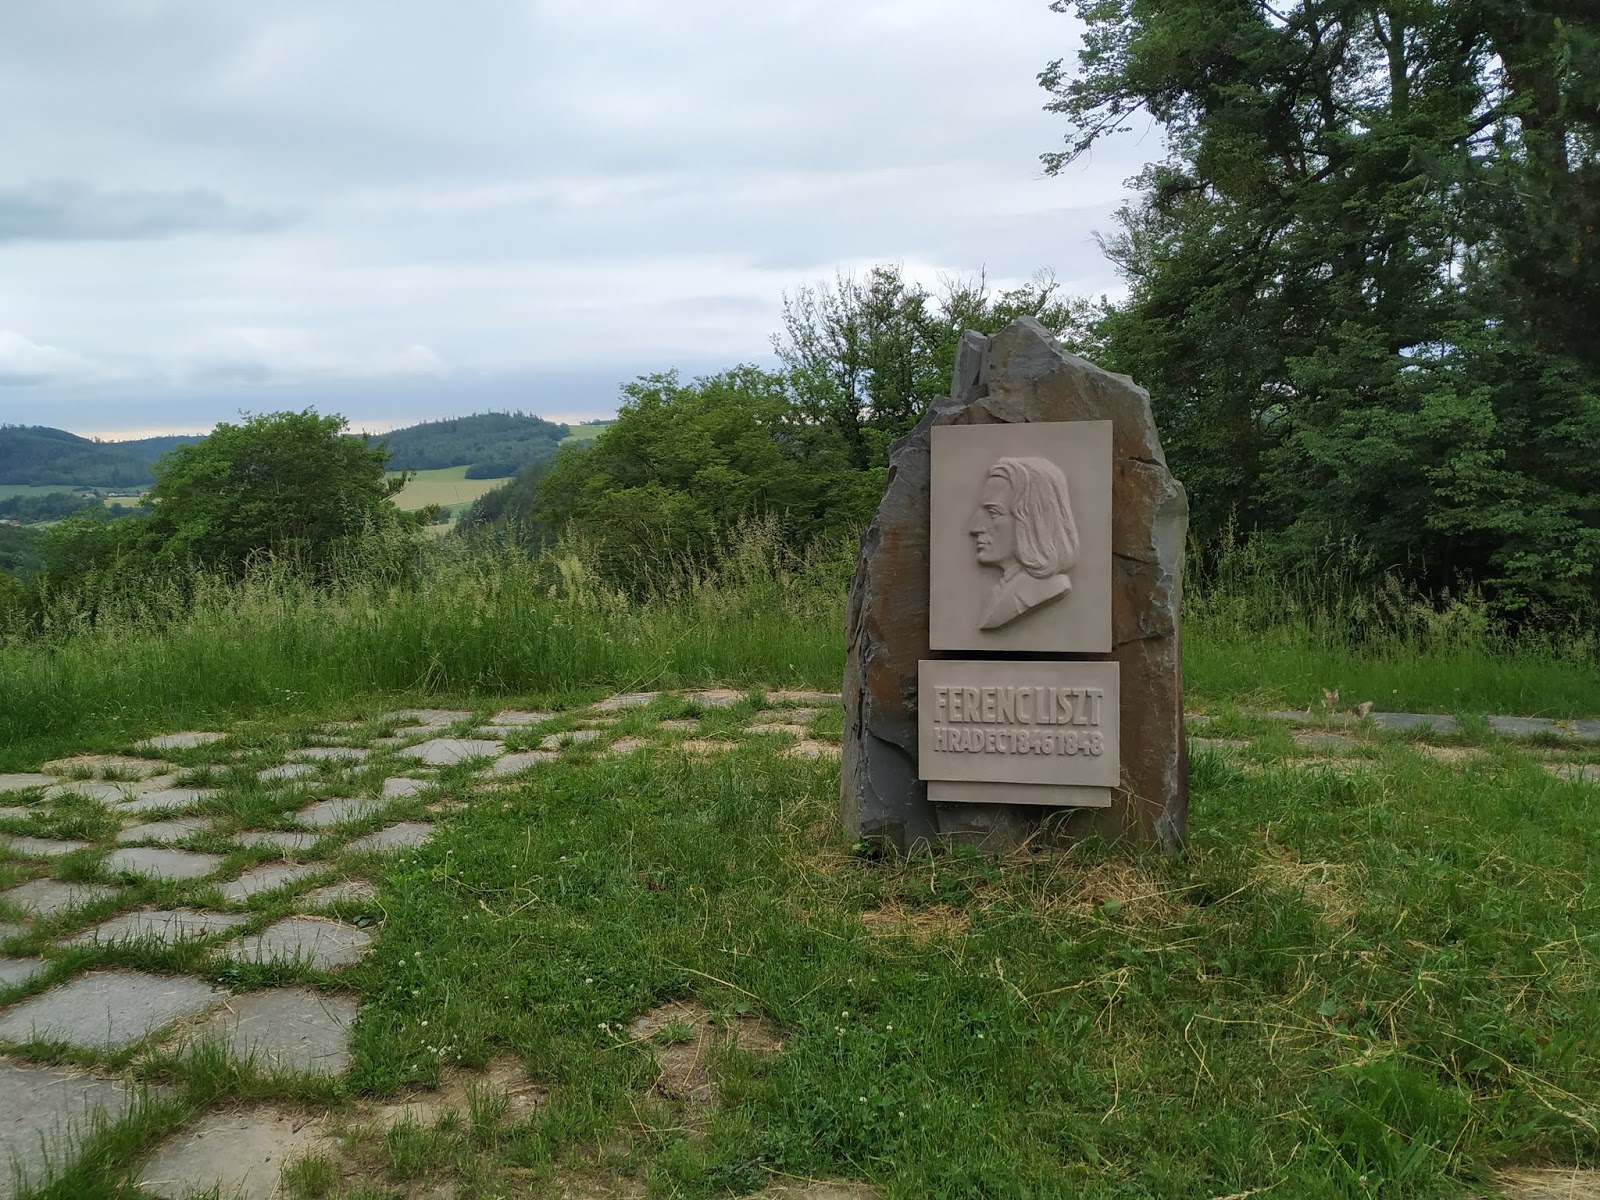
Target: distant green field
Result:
[[8, 490], [448, 486], [585, 433]]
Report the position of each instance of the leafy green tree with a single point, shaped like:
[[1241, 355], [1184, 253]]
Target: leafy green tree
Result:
[[289, 484], [684, 463], [865, 356], [1355, 281]]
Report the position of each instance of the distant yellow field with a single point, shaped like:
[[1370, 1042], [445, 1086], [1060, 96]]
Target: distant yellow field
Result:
[[446, 486]]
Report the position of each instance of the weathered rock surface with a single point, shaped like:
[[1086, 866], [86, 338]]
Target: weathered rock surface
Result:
[[1021, 374]]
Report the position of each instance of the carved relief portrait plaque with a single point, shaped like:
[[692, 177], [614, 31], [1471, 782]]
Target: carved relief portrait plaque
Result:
[[1021, 537]]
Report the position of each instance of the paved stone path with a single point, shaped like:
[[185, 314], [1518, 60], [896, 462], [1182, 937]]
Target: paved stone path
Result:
[[258, 891]]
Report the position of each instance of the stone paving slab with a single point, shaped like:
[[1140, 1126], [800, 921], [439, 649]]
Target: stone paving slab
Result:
[[167, 926], [285, 1029], [1588, 729], [342, 810], [284, 771], [808, 749], [778, 727], [715, 698], [22, 781], [187, 740], [106, 791], [47, 897], [17, 812], [1319, 739], [625, 700], [573, 737], [1520, 727], [106, 1010], [278, 839], [789, 696], [155, 783], [346, 891], [37, 847], [321, 945], [268, 878], [513, 764], [19, 970], [681, 726], [164, 832], [427, 716], [706, 746], [352, 754], [441, 752], [46, 1114], [403, 785], [10, 929], [499, 732], [160, 863], [517, 716], [1575, 772], [1295, 716], [1218, 744], [623, 746], [408, 835], [167, 800], [1412, 722], [100, 766], [238, 1156]]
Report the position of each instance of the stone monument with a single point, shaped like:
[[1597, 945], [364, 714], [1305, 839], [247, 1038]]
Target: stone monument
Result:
[[1013, 624]]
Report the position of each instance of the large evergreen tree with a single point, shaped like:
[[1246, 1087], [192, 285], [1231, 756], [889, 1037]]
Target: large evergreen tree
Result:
[[1363, 281]]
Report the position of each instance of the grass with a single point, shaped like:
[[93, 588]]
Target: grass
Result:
[[10, 490], [446, 486], [1371, 974], [585, 433], [476, 621]]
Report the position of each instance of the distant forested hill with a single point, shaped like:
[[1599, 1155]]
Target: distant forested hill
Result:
[[491, 445], [37, 454]]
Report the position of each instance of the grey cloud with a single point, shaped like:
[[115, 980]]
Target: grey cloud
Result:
[[504, 182], [70, 210]]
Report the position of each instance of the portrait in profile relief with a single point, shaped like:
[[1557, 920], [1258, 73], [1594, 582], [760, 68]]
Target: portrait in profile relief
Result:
[[1020, 537], [1023, 526]]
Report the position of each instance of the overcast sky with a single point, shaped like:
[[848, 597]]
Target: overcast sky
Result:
[[402, 210]]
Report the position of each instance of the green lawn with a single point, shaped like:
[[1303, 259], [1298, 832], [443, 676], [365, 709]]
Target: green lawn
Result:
[[9, 490], [446, 486], [1371, 974], [585, 433]]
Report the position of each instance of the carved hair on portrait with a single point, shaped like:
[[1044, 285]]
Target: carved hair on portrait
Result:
[[1023, 525]]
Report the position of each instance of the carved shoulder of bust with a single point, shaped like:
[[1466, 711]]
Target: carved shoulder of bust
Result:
[[1020, 593]]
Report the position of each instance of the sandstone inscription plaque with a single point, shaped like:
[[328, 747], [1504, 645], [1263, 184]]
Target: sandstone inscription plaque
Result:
[[1019, 732], [1020, 545]]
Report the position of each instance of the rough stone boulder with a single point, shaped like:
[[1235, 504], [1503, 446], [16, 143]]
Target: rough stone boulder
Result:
[[1021, 374]]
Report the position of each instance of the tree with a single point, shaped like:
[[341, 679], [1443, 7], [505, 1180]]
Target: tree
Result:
[[1357, 280], [288, 484], [685, 463], [866, 356]]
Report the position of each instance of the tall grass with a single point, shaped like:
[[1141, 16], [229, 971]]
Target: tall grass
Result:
[[493, 618], [1254, 631], [482, 619]]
